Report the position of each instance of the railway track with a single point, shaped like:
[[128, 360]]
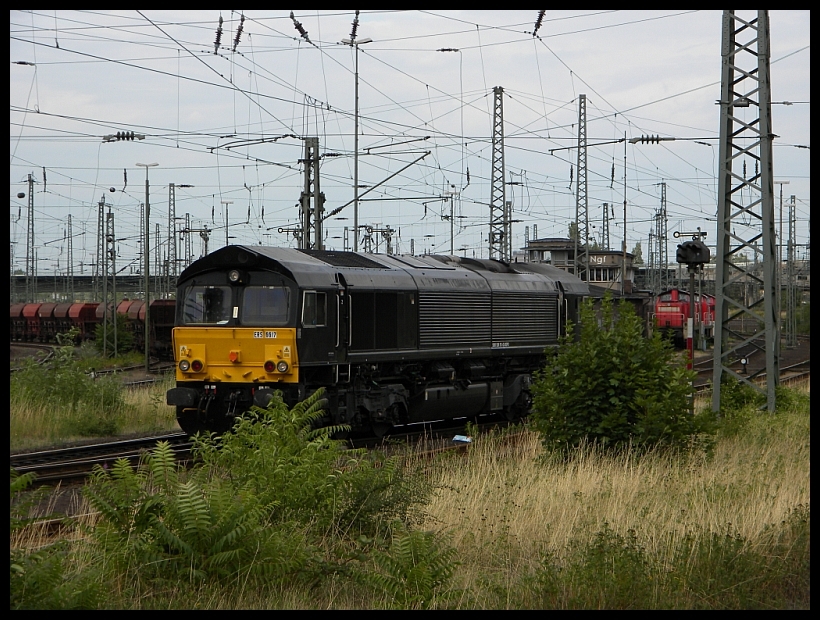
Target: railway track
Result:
[[17, 349], [794, 364], [76, 462]]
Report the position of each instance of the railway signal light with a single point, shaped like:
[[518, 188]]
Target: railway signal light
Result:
[[693, 253]]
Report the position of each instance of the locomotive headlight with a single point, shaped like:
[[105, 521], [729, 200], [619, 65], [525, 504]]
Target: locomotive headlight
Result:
[[282, 366], [270, 366], [196, 366], [185, 365], [233, 276]]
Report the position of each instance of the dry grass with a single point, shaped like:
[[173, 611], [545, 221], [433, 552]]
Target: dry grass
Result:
[[503, 498], [33, 426], [505, 508]]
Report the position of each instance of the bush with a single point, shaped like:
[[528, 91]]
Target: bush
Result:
[[276, 500], [155, 525], [415, 572], [305, 475], [86, 406], [613, 386], [40, 578], [104, 339]]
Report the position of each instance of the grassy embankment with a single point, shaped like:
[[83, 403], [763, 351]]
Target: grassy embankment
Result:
[[727, 529], [60, 403]]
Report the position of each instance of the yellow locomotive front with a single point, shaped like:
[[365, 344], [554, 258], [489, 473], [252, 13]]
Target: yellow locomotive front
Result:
[[235, 342]]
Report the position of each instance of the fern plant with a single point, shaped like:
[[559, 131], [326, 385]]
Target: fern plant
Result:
[[41, 578], [306, 476], [158, 524], [415, 572]]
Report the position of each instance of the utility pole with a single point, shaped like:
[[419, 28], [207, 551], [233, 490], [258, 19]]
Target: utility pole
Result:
[[147, 262], [158, 279], [352, 42], [605, 229], [791, 285], [498, 198], [623, 270], [172, 236], [662, 239], [581, 201], [99, 273], [450, 194], [745, 205], [173, 259], [109, 295], [779, 236], [189, 251]]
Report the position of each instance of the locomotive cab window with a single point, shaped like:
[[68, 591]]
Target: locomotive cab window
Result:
[[208, 305], [314, 309], [265, 305]]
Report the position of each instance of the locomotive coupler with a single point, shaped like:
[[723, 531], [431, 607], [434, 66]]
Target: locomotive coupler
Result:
[[232, 404]]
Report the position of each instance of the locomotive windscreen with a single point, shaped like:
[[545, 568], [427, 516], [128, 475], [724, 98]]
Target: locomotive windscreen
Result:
[[209, 305], [265, 305]]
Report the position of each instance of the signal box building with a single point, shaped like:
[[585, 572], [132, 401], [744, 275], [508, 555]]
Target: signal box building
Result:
[[605, 266]]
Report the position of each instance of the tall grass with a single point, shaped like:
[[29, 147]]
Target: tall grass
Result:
[[518, 528], [509, 509], [40, 415]]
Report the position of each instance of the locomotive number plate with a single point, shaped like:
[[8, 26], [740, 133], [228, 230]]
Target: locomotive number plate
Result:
[[264, 334]]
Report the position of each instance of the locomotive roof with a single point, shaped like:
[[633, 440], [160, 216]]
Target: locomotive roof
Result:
[[321, 268]]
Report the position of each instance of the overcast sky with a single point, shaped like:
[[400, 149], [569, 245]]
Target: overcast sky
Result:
[[231, 123]]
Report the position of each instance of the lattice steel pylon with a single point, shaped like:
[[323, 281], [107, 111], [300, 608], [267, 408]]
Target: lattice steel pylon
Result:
[[171, 273], [31, 262], [498, 197], [791, 282], [745, 218], [663, 242], [311, 215], [109, 286], [581, 201], [69, 274], [99, 270]]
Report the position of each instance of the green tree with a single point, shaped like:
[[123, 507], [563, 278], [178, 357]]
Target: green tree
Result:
[[638, 253], [125, 338], [613, 386]]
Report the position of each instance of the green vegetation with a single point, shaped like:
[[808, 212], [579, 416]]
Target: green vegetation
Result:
[[62, 401], [104, 338], [613, 387], [89, 407], [278, 515]]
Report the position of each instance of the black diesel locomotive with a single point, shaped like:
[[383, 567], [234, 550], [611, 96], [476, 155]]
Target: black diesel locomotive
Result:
[[394, 340]]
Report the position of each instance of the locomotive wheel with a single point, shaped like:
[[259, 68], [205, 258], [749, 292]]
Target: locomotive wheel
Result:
[[519, 409]]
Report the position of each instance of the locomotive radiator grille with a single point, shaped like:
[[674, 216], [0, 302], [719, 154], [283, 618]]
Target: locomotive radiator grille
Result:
[[524, 318], [454, 319]]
